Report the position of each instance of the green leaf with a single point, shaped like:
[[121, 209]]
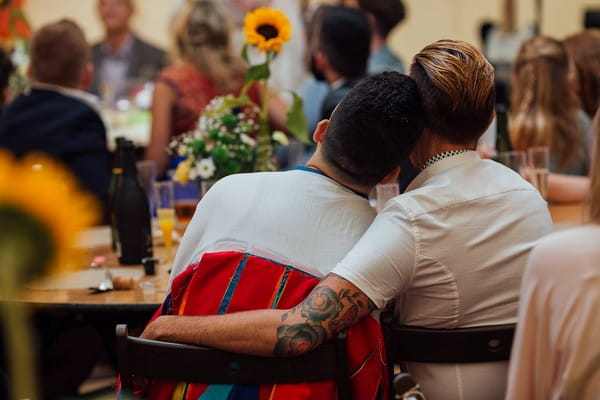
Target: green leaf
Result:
[[258, 72], [229, 120], [234, 166], [245, 53], [220, 155], [296, 120], [198, 147]]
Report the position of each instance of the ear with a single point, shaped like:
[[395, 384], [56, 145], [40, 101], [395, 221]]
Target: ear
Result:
[[86, 78], [391, 177], [321, 131], [321, 61]]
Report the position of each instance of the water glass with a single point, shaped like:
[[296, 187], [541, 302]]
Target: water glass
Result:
[[384, 192], [515, 160], [164, 199], [538, 160]]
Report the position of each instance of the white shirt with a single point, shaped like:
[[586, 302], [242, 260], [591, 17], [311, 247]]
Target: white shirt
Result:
[[303, 216], [452, 250], [556, 353]]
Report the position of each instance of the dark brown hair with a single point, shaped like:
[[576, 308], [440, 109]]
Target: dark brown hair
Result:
[[59, 54], [584, 49]]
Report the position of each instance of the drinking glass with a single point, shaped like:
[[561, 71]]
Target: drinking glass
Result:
[[538, 160], [384, 192], [164, 200], [515, 160], [186, 198]]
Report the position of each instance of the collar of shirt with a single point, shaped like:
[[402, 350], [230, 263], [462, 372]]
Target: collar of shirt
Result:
[[442, 165], [122, 52], [88, 98], [337, 84]]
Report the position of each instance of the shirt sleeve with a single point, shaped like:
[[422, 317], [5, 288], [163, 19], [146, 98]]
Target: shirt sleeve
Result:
[[381, 264]]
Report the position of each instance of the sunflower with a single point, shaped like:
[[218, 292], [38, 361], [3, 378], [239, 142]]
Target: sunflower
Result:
[[42, 210], [267, 28]]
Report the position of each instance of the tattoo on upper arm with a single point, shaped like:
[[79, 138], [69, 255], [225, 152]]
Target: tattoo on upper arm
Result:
[[326, 313]]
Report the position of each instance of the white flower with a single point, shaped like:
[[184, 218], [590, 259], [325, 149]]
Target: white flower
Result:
[[247, 140], [205, 168], [202, 123], [193, 174], [280, 138], [182, 150]]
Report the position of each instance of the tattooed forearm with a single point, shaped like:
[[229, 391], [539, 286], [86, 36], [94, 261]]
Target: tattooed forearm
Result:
[[331, 307]]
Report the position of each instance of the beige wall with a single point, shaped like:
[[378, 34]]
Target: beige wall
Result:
[[428, 20]]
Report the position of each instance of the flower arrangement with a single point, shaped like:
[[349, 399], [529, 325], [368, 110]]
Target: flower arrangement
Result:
[[41, 213], [13, 23], [233, 133]]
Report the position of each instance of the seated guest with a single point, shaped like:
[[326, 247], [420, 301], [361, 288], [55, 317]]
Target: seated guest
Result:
[[310, 216], [556, 353], [122, 56], [584, 49], [6, 70], [57, 117], [451, 250], [205, 66], [340, 52], [545, 109], [383, 15]]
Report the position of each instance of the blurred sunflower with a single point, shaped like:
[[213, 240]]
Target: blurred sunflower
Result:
[[42, 210], [267, 28]]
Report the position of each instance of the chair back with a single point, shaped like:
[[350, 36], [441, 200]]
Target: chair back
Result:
[[180, 362]]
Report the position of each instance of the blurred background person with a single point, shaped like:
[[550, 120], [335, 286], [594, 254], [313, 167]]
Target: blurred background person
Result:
[[6, 70], [204, 66], [545, 109], [122, 60], [584, 48], [556, 354], [58, 117], [383, 16]]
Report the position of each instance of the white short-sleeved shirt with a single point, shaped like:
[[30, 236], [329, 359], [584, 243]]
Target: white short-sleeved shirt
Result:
[[451, 251], [556, 353], [301, 217]]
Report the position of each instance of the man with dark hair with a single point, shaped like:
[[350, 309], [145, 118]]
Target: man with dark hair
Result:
[[122, 59], [6, 70], [57, 117], [450, 251], [383, 16], [341, 51], [314, 214]]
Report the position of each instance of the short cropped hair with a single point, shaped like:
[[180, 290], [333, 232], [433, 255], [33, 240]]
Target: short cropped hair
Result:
[[59, 54], [374, 128], [457, 87], [345, 38], [387, 13]]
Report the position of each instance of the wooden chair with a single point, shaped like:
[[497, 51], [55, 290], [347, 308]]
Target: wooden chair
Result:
[[462, 345], [187, 363]]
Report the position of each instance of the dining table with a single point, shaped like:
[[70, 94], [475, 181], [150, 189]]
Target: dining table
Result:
[[567, 215]]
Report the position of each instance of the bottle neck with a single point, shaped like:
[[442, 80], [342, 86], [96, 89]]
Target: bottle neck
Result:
[[128, 162]]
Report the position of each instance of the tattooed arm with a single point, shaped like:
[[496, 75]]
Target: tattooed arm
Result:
[[332, 306]]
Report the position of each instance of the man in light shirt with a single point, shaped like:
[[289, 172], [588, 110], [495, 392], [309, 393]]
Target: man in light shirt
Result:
[[450, 251]]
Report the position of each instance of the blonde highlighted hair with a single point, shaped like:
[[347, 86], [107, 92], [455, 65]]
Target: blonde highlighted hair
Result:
[[202, 37], [544, 104], [457, 86], [594, 198]]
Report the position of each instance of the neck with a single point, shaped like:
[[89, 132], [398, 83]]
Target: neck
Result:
[[317, 162], [115, 39], [431, 144], [331, 76], [377, 42]]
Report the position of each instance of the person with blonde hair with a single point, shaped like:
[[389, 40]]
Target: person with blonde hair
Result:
[[450, 251], [545, 109], [556, 353], [205, 66]]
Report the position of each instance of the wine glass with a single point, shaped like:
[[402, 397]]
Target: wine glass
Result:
[[539, 165], [164, 200]]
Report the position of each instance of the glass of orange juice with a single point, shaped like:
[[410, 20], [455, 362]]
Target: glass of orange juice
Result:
[[164, 200]]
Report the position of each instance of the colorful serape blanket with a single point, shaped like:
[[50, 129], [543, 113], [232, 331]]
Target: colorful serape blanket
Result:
[[231, 281]]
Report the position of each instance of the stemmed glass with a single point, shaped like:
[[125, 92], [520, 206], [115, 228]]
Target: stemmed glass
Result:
[[164, 200]]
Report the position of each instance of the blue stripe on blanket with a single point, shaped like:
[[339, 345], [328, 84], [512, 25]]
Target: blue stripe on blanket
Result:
[[232, 285]]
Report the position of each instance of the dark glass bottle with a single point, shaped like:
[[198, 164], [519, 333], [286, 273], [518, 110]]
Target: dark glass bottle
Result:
[[117, 172], [502, 137], [132, 214]]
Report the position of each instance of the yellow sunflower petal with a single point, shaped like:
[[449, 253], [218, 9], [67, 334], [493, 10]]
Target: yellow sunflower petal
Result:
[[46, 191], [267, 28]]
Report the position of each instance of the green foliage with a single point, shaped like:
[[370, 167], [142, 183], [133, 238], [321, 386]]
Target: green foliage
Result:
[[296, 120]]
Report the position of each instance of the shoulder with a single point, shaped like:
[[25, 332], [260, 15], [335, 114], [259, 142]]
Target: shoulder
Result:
[[146, 47]]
